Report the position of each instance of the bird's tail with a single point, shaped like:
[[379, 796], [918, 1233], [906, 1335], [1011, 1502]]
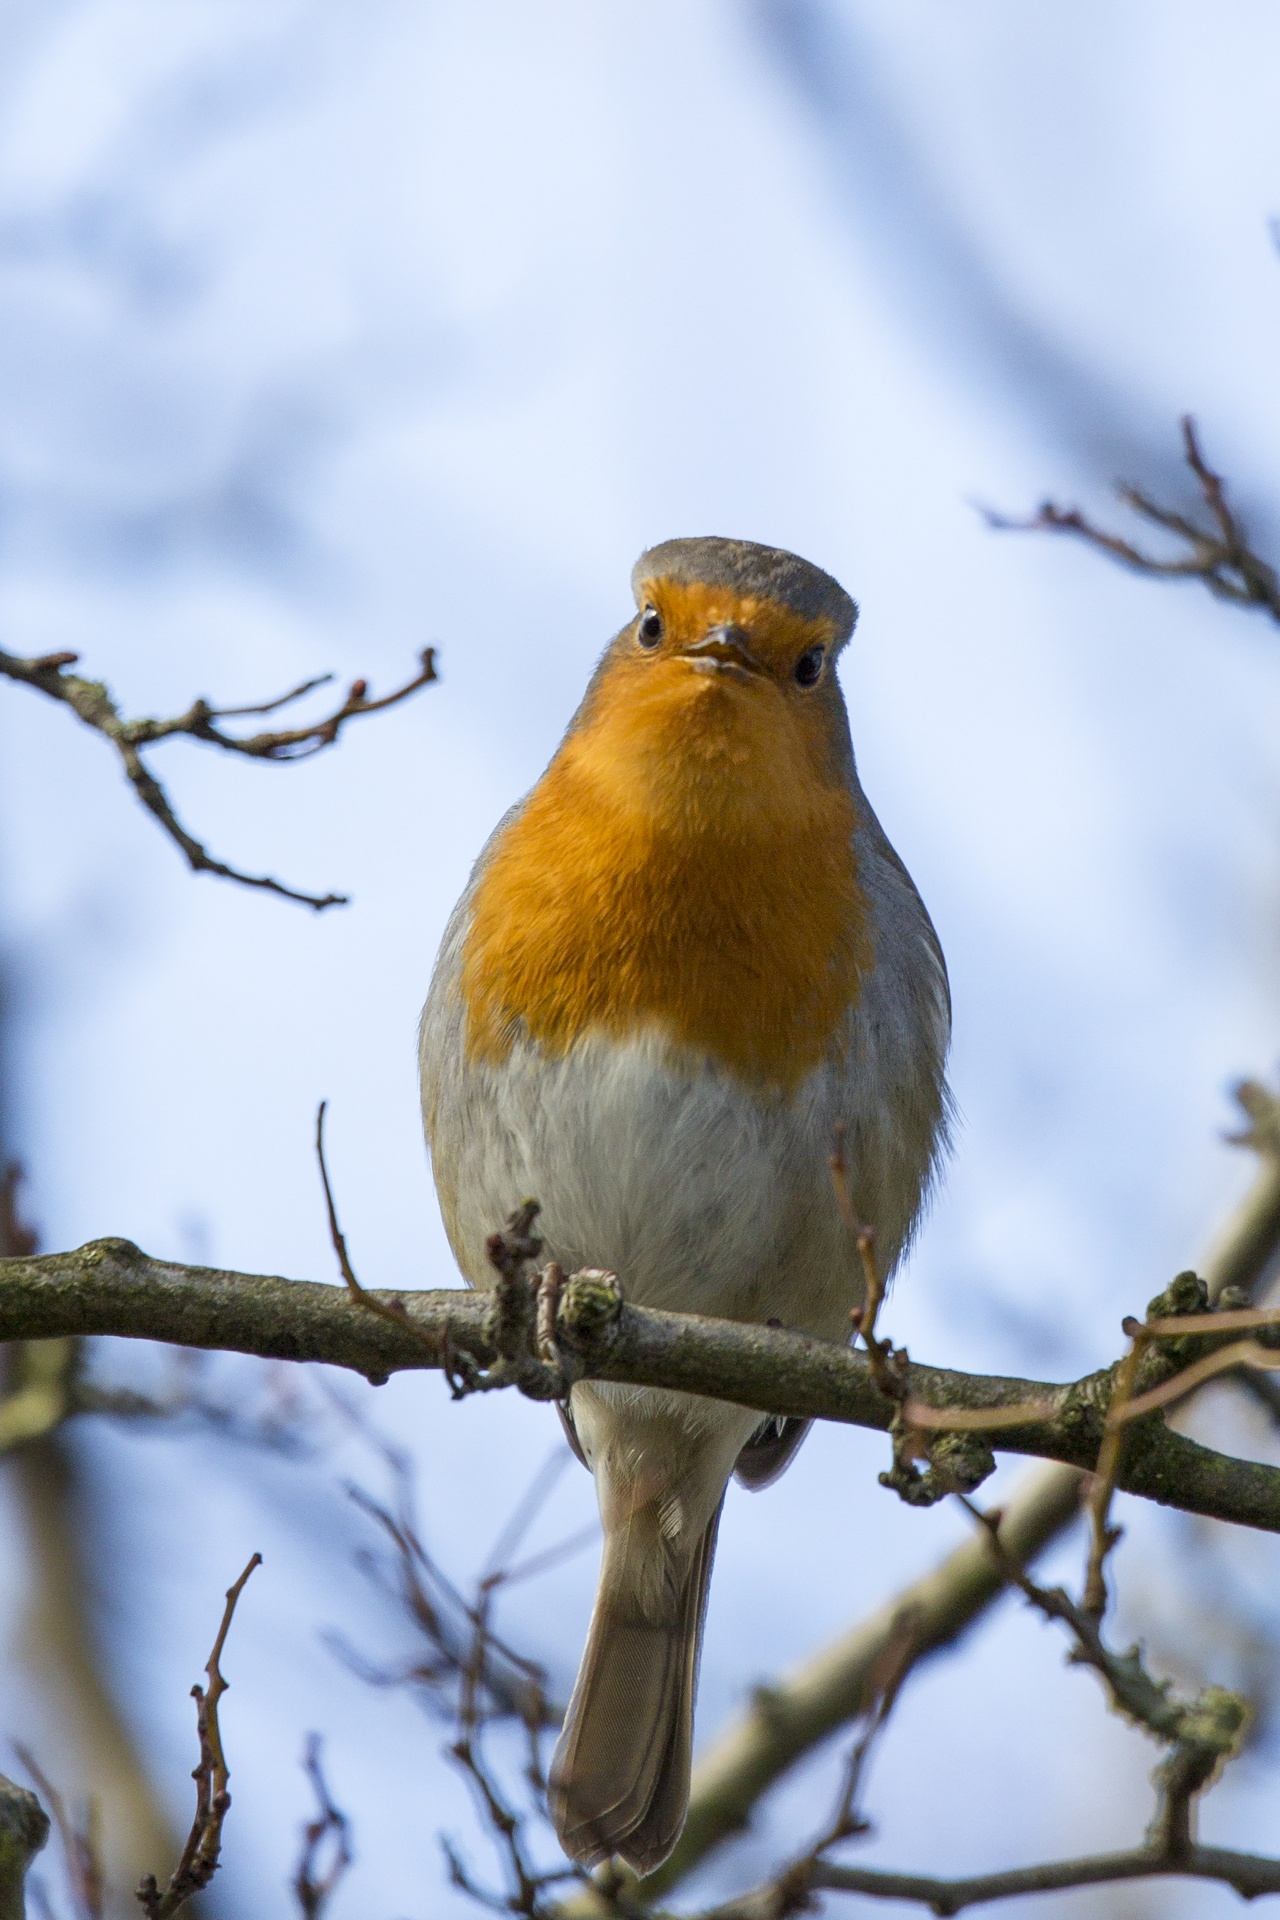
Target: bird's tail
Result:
[[619, 1781]]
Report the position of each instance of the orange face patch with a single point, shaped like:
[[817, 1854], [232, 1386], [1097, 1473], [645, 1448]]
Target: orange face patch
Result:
[[777, 636], [685, 864]]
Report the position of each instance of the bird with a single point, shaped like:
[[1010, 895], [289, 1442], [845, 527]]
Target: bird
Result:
[[686, 966]]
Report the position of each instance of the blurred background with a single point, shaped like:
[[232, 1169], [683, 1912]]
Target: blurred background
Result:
[[330, 329]]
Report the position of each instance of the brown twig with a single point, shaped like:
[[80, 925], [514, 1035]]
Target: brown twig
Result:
[[16, 1236], [331, 1831], [444, 1620], [1218, 555], [1127, 1405], [881, 1353], [81, 1843], [93, 704], [507, 1818], [393, 1309], [1243, 1353], [925, 1419], [1102, 1535], [953, 1463], [199, 1860], [790, 1891]]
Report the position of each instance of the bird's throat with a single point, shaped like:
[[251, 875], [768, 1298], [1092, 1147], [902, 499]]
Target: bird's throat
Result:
[[687, 871]]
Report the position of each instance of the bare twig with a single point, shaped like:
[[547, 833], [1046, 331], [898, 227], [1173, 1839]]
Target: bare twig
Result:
[[445, 1621], [93, 704], [1128, 1405], [1218, 555], [1243, 1353], [790, 1890], [331, 1831], [81, 1843], [792, 1715], [199, 1860], [392, 1309], [16, 1236]]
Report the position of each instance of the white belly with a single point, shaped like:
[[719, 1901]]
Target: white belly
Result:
[[701, 1195]]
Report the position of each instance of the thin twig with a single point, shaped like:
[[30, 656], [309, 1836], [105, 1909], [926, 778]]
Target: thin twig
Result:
[[394, 1309], [1219, 555], [81, 1842], [93, 704], [1244, 1353], [1024, 1413], [200, 1856], [331, 1827], [1103, 1536], [1200, 1733]]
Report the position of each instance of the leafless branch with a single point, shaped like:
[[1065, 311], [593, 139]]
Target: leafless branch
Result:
[[392, 1309], [109, 1286], [790, 1891], [469, 1675], [81, 1843], [1217, 554], [329, 1832], [444, 1623], [93, 704], [199, 1860], [1248, 1873]]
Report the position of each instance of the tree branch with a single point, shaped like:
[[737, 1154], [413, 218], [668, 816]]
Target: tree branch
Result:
[[201, 1853], [1218, 555], [109, 1286], [92, 703], [1248, 1873]]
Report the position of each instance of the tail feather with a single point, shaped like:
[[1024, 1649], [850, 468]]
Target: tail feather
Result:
[[620, 1774]]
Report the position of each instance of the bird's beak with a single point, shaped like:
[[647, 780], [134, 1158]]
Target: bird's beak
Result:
[[723, 650]]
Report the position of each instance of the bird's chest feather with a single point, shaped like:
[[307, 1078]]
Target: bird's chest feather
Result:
[[701, 887]]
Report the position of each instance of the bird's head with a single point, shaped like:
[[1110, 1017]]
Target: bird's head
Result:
[[725, 678]]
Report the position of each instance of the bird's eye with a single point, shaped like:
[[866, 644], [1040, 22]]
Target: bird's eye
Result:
[[649, 631], [808, 668]]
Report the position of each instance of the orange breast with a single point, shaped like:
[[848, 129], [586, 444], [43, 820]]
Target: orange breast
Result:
[[686, 865]]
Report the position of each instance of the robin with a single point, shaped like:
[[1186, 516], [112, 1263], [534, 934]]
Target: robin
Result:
[[683, 965]]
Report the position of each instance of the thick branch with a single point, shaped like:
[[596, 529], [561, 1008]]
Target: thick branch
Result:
[[92, 703], [109, 1286]]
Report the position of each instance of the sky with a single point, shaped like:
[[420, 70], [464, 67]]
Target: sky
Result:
[[329, 331]]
